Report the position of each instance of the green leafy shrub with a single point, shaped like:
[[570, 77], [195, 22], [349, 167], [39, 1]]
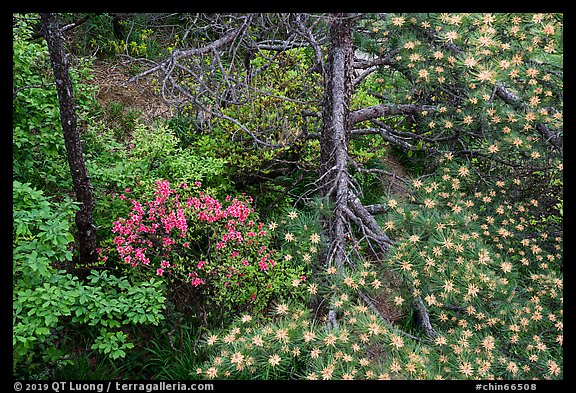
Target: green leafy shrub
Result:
[[39, 155], [47, 300], [148, 154]]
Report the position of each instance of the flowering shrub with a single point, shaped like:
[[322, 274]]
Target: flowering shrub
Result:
[[218, 248]]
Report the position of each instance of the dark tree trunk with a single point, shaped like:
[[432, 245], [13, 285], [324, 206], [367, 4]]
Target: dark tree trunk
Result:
[[82, 187], [334, 177], [118, 26], [335, 182]]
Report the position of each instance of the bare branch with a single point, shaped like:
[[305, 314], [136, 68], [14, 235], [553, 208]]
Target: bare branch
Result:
[[382, 110], [67, 27], [423, 318], [306, 33], [181, 53]]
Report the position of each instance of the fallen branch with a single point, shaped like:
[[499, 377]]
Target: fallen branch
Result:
[[373, 307], [423, 318]]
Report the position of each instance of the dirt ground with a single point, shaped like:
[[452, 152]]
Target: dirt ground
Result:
[[138, 95]]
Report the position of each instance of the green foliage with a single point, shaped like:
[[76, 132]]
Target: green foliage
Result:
[[88, 366], [149, 153], [476, 260], [174, 354], [41, 230], [41, 314], [97, 36], [119, 119], [158, 153], [47, 299], [493, 293], [39, 155], [112, 343]]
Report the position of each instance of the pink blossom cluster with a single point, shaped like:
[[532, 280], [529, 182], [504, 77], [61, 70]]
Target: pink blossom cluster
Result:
[[159, 229]]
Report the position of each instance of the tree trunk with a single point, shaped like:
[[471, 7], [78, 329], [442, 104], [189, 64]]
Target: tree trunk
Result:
[[335, 132], [335, 182], [81, 182], [118, 21]]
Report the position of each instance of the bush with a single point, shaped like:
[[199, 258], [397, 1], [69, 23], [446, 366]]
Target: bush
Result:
[[218, 249], [488, 276], [47, 300]]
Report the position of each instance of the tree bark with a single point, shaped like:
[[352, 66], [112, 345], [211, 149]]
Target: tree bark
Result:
[[86, 236], [335, 181], [335, 132]]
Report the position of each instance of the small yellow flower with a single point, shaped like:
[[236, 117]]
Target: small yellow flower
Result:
[[506, 267], [313, 288], [330, 339], [398, 21], [395, 367], [349, 281], [466, 369], [281, 309], [309, 336], [274, 360], [282, 335], [237, 358], [257, 340], [315, 353], [396, 341], [374, 329], [327, 372], [212, 372]]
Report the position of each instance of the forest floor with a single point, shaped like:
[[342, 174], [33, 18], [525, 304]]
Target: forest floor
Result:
[[139, 96]]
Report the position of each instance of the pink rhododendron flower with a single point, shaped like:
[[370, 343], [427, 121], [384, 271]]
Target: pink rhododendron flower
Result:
[[179, 227]]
